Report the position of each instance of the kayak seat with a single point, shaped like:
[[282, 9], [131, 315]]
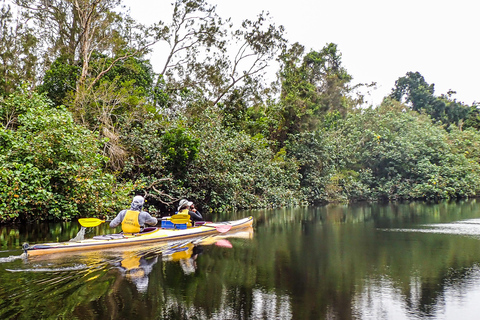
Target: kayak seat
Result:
[[148, 229], [114, 236]]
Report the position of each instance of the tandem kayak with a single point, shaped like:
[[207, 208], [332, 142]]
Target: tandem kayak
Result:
[[149, 235]]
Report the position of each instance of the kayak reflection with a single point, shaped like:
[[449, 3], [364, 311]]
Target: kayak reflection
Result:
[[136, 266]]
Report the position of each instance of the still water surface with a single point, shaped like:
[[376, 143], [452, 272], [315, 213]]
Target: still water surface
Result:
[[363, 261]]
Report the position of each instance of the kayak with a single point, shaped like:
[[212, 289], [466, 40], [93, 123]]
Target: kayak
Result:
[[149, 235]]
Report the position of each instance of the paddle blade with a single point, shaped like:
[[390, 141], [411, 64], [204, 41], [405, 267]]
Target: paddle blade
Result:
[[223, 228], [90, 222], [224, 243]]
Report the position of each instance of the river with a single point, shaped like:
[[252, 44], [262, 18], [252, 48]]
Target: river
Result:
[[363, 261]]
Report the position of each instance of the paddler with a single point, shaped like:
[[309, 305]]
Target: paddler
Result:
[[133, 220], [185, 206]]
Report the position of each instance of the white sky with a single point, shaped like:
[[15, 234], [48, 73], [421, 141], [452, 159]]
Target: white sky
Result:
[[380, 40]]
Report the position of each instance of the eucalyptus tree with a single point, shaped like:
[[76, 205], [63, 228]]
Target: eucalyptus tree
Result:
[[17, 54], [208, 59], [80, 29], [95, 49]]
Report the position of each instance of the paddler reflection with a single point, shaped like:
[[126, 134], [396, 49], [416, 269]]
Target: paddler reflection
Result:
[[136, 268], [186, 255]]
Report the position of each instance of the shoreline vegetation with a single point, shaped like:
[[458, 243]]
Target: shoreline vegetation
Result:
[[87, 123]]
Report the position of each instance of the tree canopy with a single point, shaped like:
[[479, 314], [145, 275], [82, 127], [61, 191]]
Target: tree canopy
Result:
[[237, 117]]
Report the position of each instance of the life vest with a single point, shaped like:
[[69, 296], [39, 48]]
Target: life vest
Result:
[[184, 212], [130, 222]]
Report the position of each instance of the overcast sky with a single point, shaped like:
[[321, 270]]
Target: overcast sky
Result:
[[380, 40]]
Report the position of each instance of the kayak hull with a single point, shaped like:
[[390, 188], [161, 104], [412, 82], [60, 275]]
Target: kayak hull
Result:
[[116, 240]]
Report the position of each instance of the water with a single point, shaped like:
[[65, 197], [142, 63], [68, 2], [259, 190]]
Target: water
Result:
[[364, 261]]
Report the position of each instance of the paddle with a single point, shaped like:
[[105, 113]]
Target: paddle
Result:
[[91, 222], [221, 228]]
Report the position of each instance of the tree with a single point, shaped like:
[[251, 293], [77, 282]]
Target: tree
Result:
[[17, 56], [60, 80], [400, 154], [194, 27], [81, 29], [312, 85], [415, 92], [473, 118], [211, 58]]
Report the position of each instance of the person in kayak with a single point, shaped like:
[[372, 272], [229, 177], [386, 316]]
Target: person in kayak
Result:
[[193, 209], [133, 220], [185, 206]]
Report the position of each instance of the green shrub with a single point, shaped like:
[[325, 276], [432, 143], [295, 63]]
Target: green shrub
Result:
[[218, 167], [52, 168], [387, 153]]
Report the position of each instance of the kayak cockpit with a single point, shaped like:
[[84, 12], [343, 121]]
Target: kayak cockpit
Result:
[[115, 236]]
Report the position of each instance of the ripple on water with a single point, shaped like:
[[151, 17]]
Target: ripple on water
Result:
[[469, 227], [71, 268], [13, 258]]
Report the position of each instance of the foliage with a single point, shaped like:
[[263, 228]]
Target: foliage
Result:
[[466, 142], [84, 31], [133, 69], [417, 93], [60, 80], [201, 70], [180, 149], [18, 56], [236, 170], [154, 147], [207, 127], [387, 153], [312, 85], [473, 118], [400, 155], [120, 96], [51, 167], [220, 167], [318, 161]]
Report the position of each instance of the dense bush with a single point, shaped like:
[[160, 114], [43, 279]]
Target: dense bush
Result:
[[236, 170], [59, 80], [388, 153], [218, 167], [50, 167], [409, 156], [53, 168]]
